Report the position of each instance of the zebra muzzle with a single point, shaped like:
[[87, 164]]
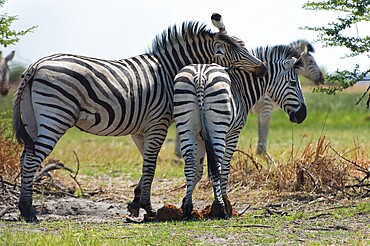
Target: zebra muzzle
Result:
[[298, 116]]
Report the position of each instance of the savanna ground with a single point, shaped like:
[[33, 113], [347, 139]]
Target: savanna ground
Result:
[[316, 193]]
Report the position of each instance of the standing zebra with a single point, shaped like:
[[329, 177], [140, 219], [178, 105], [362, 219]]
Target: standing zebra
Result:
[[4, 72], [215, 125], [202, 115], [113, 98], [265, 106]]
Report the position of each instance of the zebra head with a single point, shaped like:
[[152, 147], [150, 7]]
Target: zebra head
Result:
[[310, 69], [240, 58], [4, 73], [284, 87]]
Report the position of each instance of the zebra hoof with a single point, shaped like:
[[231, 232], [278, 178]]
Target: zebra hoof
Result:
[[218, 211], [28, 212], [228, 207], [150, 211], [186, 211], [133, 208]]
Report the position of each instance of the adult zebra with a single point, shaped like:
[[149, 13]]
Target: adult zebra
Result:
[[265, 106], [4, 72], [214, 125], [113, 98], [202, 110]]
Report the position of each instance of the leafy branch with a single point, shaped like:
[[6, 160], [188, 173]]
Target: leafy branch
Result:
[[7, 35]]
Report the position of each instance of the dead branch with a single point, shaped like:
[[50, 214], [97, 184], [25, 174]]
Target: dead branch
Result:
[[358, 167], [75, 176], [48, 168], [256, 164]]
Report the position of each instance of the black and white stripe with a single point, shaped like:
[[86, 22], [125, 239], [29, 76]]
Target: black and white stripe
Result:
[[113, 98], [202, 113], [227, 120], [265, 106]]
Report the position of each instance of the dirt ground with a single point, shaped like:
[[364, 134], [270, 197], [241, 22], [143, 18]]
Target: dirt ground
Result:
[[109, 203]]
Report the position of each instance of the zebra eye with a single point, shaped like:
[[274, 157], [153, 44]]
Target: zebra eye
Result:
[[293, 83]]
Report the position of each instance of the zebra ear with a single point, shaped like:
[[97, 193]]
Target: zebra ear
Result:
[[10, 56], [218, 22], [289, 63]]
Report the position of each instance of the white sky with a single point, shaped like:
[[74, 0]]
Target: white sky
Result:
[[116, 29]]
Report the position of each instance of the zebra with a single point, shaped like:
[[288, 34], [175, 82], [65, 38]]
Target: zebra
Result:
[[208, 86], [131, 96], [4, 72], [265, 106], [214, 126]]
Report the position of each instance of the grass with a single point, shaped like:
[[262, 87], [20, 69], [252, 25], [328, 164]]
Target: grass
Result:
[[345, 125], [251, 229]]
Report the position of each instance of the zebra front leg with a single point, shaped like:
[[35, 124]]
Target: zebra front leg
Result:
[[264, 118], [134, 206]]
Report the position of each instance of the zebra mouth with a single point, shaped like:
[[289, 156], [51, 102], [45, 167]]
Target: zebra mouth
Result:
[[298, 116], [261, 70]]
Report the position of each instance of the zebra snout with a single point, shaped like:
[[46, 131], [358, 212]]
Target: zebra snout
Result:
[[4, 90], [320, 80], [261, 70], [298, 116]]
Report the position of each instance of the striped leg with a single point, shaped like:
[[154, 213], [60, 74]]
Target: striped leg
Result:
[[149, 145], [30, 163], [264, 118], [188, 138], [231, 144]]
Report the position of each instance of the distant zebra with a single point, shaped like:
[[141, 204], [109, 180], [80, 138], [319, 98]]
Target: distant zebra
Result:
[[4, 72], [214, 125], [113, 98], [202, 115], [265, 106]]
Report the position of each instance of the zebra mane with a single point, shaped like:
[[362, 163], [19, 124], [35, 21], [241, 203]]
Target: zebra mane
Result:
[[277, 53], [187, 31]]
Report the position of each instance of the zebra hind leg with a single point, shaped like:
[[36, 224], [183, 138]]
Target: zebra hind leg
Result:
[[190, 171], [27, 211]]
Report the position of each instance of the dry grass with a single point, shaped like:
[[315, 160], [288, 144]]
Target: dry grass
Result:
[[317, 168], [9, 156]]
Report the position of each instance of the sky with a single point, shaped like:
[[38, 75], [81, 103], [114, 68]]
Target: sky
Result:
[[117, 29]]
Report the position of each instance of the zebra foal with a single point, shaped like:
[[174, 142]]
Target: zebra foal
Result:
[[131, 96], [210, 115]]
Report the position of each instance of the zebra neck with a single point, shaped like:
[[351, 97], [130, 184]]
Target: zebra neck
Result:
[[246, 89]]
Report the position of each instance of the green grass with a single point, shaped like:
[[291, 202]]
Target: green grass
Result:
[[251, 229]]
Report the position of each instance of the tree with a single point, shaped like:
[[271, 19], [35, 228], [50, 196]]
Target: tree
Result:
[[352, 13], [7, 35]]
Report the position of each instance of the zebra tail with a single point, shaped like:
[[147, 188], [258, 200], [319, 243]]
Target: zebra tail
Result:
[[210, 150], [19, 129]]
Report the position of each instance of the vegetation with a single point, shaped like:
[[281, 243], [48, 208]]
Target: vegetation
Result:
[[7, 35], [351, 12]]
